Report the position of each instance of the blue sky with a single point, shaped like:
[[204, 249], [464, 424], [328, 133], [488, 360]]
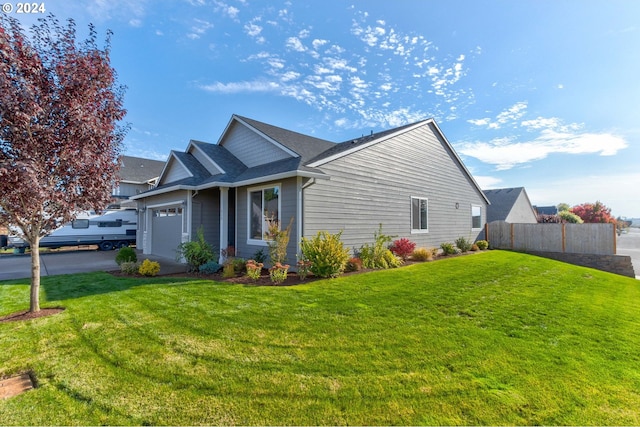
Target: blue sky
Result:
[[540, 94]]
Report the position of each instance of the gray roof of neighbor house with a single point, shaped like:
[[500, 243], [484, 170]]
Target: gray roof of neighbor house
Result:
[[138, 170], [502, 201], [546, 210]]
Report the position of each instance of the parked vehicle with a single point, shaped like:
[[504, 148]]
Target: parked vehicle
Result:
[[109, 230]]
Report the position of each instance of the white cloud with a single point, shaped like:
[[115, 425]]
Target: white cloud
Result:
[[487, 182], [505, 153], [241, 87], [135, 23], [294, 43]]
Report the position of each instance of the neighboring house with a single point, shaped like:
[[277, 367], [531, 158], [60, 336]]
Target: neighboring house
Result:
[[546, 210], [510, 205], [136, 175], [409, 179]]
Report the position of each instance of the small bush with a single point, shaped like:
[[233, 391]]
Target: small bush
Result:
[[378, 255], [463, 244], [354, 264], [278, 273], [149, 268], [228, 269], [196, 252], [277, 241], [326, 252], [259, 256], [448, 249], [210, 267], [126, 254], [424, 254], [129, 267], [254, 269], [482, 244], [474, 248], [403, 248], [303, 268]]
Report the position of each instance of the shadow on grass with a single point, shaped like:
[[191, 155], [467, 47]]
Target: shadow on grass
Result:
[[63, 287]]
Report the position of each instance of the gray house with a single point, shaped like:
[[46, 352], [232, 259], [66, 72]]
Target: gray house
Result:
[[409, 179], [136, 175], [510, 205]]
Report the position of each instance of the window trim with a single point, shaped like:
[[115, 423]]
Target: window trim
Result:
[[418, 230], [261, 242], [472, 216], [79, 224]]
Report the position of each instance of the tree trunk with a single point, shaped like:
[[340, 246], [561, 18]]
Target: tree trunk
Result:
[[34, 301]]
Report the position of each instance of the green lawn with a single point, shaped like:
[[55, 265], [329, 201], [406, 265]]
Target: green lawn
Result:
[[490, 338]]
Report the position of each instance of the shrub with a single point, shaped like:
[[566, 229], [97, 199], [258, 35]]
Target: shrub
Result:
[[228, 269], [278, 273], [570, 217], [326, 252], [210, 267], [463, 244], [259, 256], [149, 268], [278, 241], [378, 255], [424, 254], [126, 254], [482, 244], [196, 252], [475, 247], [129, 267], [448, 249], [254, 269], [303, 268], [353, 264], [403, 248]]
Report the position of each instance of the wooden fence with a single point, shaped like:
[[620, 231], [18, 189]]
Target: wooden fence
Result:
[[599, 239]]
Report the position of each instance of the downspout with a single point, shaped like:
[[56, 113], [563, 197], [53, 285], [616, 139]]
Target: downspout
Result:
[[299, 219]]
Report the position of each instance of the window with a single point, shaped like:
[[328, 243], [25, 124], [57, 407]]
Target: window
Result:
[[80, 223], [116, 223], [264, 207], [419, 215], [476, 217]]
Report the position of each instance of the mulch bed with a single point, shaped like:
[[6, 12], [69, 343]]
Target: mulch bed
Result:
[[27, 315]]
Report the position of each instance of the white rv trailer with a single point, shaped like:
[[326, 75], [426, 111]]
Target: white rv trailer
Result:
[[109, 230]]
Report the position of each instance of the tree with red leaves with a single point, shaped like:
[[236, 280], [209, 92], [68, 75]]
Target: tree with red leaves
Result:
[[593, 212], [60, 138]]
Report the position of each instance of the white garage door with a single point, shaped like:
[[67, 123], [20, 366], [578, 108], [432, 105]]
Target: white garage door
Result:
[[166, 231]]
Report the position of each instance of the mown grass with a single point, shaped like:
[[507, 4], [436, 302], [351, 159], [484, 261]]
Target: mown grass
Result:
[[492, 338]]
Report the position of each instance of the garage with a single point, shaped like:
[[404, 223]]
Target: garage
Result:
[[166, 230]]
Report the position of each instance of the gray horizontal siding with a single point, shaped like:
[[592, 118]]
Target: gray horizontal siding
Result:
[[250, 148], [206, 212], [375, 185], [288, 206]]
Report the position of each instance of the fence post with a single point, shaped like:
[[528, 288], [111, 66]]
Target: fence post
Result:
[[564, 238], [615, 241], [511, 236], [486, 231]]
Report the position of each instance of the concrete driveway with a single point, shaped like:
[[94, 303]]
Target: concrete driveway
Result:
[[629, 244], [14, 266]]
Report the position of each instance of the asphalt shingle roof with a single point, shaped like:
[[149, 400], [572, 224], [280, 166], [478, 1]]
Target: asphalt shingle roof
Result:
[[138, 169], [502, 201]]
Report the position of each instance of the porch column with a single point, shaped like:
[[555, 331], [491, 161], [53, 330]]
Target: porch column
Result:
[[224, 222]]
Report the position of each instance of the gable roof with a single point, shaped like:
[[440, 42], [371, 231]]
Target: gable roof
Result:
[[307, 154], [502, 201], [304, 146], [353, 145], [138, 170]]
